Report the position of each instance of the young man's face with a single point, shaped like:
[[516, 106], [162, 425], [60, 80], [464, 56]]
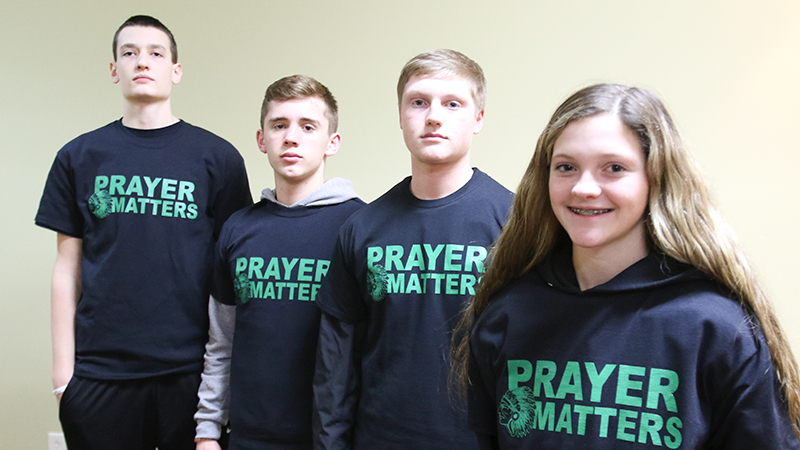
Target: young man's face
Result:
[[144, 68], [296, 140], [438, 117]]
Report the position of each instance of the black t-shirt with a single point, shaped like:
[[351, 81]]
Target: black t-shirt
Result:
[[270, 263], [148, 206], [405, 267], [658, 357]]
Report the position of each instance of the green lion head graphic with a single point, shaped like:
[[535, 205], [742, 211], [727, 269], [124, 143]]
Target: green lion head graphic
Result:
[[377, 282], [241, 285], [100, 204], [517, 411]]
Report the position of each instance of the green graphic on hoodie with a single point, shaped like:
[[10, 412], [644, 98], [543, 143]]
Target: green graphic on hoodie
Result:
[[517, 411], [241, 285]]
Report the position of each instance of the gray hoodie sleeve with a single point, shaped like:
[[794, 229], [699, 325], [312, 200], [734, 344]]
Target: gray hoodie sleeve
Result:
[[214, 392]]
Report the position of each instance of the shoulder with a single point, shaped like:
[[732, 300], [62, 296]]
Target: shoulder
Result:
[[206, 139]]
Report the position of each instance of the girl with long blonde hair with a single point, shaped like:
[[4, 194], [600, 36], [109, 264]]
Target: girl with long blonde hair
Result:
[[619, 309]]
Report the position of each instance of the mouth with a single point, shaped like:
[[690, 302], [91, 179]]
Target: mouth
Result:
[[291, 156], [589, 212], [142, 78], [433, 136]]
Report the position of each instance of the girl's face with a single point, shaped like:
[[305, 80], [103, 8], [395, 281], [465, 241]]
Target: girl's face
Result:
[[598, 187]]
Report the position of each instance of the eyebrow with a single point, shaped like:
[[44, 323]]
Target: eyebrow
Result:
[[302, 120], [149, 46]]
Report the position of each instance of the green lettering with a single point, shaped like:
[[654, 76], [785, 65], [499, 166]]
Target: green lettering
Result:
[[451, 283], [650, 424], [475, 255], [374, 255], [604, 414], [302, 291], [674, 426], [100, 182], [257, 289], [241, 265], [131, 208], [269, 291], [655, 389], [116, 185], [393, 255], [468, 284], [322, 269], [437, 278], [415, 258], [288, 266], [545, 418], [151, 185], [413, 284], [565, 420], [256, 264], [273, 270], [582, 412], [515, 377], [571, 382], [185, 191], [166, 208], [292, 287], [314, 290], [626, 417], [433, 254], [192, 209], [118, 204], [625, 384], [451, 256], [180, 210], [168, 188], [396, 283], [545, 372], [598, 380], [135, 186], [306, 266], [155, 204]]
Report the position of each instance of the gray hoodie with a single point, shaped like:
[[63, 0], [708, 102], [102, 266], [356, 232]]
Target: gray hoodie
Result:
[[214, 392]]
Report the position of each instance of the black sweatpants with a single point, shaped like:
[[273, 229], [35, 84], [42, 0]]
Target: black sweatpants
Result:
[[130, 414]]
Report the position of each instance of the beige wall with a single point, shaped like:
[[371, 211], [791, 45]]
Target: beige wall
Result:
[[729, 70]]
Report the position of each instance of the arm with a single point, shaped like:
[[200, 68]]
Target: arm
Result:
[[336, 383], [214, 392], [64, 294]]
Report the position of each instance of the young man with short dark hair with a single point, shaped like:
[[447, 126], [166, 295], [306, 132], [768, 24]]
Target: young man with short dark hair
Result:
[[137, 205]]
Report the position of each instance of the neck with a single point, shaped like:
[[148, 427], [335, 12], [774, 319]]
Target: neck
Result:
[[148, 116], [288, 193], [435, 181], [594, 268]]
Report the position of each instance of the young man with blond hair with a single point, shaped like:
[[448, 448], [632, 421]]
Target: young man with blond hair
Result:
[[403, 269], [270, 262], [137, 205]]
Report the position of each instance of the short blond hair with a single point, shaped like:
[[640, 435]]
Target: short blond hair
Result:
[[296, 87], [445, 63]]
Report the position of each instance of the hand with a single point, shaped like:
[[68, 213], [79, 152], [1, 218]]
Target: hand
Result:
[[208, 445]]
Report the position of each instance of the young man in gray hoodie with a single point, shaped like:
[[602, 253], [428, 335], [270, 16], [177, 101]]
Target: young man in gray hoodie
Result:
[[269, 264]]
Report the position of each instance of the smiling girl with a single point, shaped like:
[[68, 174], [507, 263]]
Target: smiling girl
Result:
[[619, 310]]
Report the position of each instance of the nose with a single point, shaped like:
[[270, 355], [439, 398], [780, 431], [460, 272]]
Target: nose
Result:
[[586, 186], [142, 62], [290, 139], [434, 117]]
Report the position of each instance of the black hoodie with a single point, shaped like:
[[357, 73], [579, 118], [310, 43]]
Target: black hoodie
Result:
[[658, 357]]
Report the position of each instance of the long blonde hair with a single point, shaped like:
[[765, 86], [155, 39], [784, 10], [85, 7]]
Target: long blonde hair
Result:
[[683, 223]]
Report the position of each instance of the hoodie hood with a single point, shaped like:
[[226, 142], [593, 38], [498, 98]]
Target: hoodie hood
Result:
[[332, 192], [654, 270]]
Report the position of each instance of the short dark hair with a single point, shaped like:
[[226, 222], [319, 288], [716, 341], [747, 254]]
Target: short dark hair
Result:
[[147, 21]]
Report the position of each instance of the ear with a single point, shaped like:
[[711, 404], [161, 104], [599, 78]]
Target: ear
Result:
[[114, 75], [333, 144], [260, 141], [177, 72], [478, 123]]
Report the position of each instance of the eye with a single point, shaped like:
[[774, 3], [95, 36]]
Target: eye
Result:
[[563, 167], [453, 105], [127, 53], [308, 128], [615, 168], [278, 126], [417, 102], [157, 54]]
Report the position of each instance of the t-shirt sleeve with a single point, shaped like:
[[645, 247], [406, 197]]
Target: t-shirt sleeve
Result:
[[222, 286], [234, 193], [748, 406], [341, 294], [58, 208]]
